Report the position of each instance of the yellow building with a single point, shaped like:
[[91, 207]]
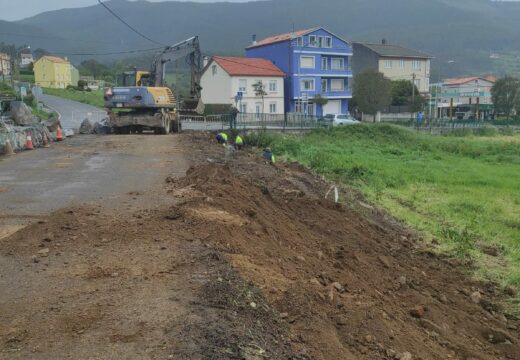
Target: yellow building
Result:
[[53, 72]]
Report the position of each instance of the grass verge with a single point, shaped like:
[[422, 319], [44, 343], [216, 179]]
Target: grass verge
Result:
[[94, 98], [461, 191]]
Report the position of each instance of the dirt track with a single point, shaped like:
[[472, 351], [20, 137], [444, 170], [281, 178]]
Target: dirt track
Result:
[[242, 260]]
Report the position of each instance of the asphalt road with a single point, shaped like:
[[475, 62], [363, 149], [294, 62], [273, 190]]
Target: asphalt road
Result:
[[72, 112], [85, 168]]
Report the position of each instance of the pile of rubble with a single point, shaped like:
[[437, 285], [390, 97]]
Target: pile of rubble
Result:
[[22, 123]]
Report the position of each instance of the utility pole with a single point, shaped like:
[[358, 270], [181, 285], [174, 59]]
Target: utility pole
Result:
[[413, 96]]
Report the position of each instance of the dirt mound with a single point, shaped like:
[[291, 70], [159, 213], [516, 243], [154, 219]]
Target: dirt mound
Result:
[[348, 287], [90, 283]]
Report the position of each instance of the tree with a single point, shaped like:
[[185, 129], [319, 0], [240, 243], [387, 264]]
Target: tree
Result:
[[402, 95], [320, 100], [38, 53], [93, 68], [373, 92], [505, 95], [259, 89]]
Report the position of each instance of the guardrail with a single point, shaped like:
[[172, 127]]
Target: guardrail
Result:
[[253, 121]]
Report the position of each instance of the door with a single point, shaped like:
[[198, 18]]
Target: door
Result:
[[332, 107], [258, 110]]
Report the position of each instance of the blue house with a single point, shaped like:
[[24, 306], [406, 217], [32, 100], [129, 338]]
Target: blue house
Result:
[[317, 63]]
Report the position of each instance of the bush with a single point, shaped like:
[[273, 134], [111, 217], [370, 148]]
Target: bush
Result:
[[29, 100]]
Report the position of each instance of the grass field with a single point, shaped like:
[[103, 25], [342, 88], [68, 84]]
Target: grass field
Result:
[[461, 191], [94, 98]]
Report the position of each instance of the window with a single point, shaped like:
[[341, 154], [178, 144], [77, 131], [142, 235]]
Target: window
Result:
[[337, 85], [401, 64], [328, 42], [272, 108], [324, 63], [242, 85], [299, 41], [307, 62], [214, 70], [337, 64], [417, 83], [243, 107], [388, 64], [313, 41], [324, 85], [307, 84], [272, 86], [416, 65]]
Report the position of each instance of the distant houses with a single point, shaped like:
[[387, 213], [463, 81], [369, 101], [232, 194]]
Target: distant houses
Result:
[[317, 67], [317, 64], [26, 58], [394, 61], [467, 97], [231, 80], [55, 72]]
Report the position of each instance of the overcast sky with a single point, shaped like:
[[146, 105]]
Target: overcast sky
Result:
[[19, 9]]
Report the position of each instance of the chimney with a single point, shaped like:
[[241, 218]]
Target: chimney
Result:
[[384, 42], [254, 39], [205, 61]]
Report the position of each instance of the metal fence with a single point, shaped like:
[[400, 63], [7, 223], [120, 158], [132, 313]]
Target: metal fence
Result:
[[445, 126], [254, 121]]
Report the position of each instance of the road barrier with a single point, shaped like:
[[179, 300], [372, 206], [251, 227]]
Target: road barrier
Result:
[[92, 116], [253, 121]]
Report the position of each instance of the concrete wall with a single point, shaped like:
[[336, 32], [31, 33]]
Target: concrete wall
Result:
[[364, 59], [216, 88]]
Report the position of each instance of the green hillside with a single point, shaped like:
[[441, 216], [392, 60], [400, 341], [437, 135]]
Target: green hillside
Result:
[[467, 31]]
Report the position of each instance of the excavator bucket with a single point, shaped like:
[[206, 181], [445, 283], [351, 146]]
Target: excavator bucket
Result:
[[193, 106]]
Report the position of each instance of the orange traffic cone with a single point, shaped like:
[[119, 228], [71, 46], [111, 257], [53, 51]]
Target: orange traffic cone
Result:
[[59, 134], [28, 143], [8, 150], [45, 141]]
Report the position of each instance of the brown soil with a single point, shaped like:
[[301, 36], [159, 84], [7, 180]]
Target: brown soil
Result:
[[248, 261]]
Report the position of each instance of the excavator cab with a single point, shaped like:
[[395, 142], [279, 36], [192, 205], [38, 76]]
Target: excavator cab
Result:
[[135, 78]]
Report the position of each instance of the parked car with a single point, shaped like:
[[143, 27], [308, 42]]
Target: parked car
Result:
[[338, 119]]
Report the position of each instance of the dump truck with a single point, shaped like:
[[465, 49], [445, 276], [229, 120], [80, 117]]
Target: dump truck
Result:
[[142, 101]]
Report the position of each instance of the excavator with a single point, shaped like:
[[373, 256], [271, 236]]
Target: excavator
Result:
[[142, 101]]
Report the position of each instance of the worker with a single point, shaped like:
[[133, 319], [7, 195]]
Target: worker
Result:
[[239, 143], [222, 138], [268, 155]]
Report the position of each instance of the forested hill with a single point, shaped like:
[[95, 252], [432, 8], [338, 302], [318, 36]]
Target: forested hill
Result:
[[467, 31]]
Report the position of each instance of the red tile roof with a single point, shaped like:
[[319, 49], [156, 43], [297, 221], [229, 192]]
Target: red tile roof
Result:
[[465, 80], [282, 37], [55, 59], [237, 66]]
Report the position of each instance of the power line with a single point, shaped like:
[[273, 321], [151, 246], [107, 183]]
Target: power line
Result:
[[128, 25], [110, 53], [54, 38]]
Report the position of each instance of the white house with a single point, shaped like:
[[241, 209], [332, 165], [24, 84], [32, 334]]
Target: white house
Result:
[[224, 78], [26, 59]]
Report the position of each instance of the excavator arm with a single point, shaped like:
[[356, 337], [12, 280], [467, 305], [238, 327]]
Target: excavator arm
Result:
[[189, 49]]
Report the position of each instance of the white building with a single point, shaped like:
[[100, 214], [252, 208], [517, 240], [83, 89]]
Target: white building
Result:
[[26, 59], [224, 78], [467, 97]]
